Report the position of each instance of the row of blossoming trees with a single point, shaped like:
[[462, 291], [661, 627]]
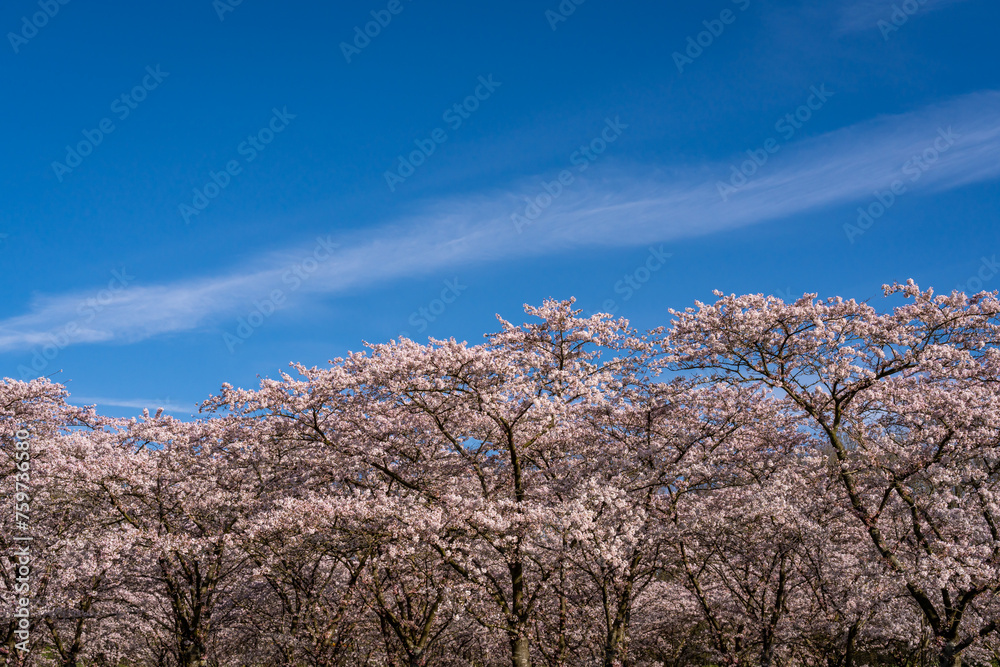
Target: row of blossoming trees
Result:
[[760, 483]]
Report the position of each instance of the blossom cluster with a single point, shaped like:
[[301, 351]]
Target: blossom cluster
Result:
[[757, 482]]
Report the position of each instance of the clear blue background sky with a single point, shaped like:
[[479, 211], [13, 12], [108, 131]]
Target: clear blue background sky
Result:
[[685, 115]]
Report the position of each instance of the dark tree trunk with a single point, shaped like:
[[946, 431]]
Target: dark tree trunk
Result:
[[950, 656], [520, 651]]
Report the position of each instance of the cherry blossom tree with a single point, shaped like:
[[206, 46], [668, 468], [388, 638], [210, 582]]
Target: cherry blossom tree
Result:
[[35, 424], [486, 436], [178, 493], [907, 402]]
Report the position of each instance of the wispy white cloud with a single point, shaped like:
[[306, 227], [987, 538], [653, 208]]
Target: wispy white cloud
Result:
[[138, 403], [617, 205]]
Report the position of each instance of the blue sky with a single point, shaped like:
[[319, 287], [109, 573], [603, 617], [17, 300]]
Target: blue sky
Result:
[[196, 192]]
